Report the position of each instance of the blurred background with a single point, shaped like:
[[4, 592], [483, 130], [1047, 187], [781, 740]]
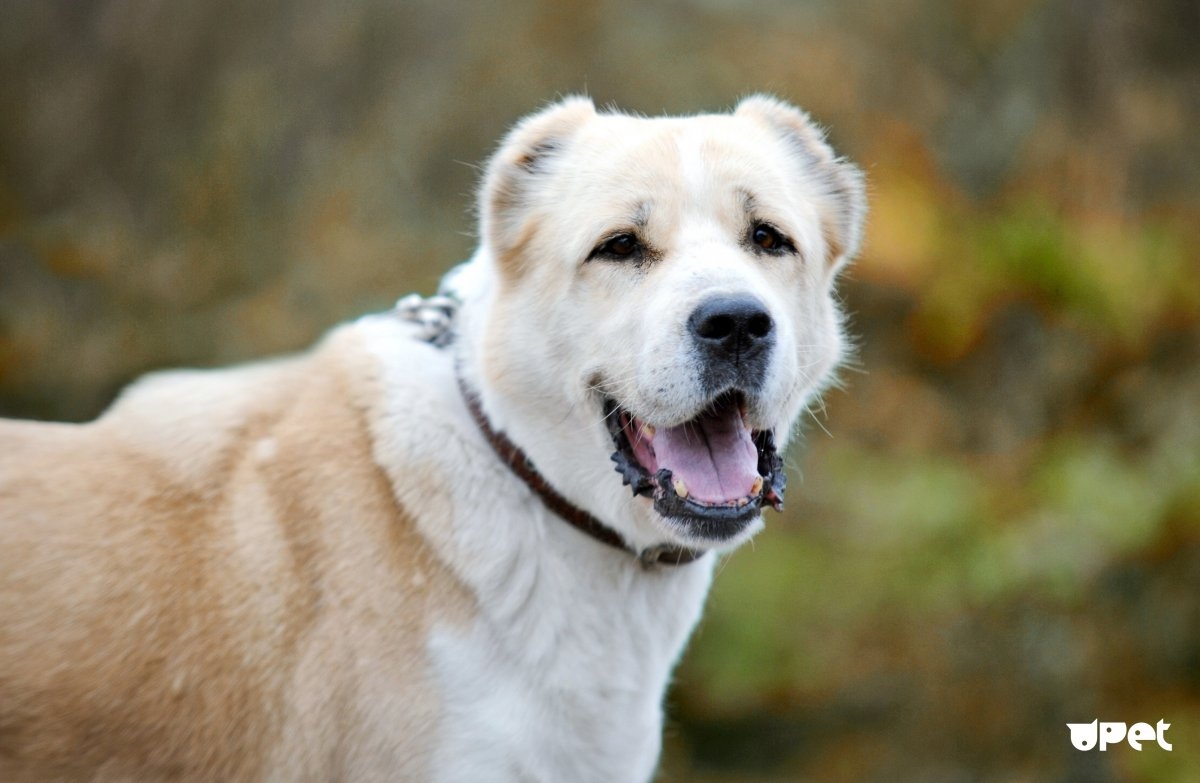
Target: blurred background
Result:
[[992, 530]]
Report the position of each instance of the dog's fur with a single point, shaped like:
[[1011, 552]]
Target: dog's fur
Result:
[[317, 569]]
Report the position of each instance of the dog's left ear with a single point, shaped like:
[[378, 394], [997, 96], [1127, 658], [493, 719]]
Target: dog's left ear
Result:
[[841, 184], [526, 155]]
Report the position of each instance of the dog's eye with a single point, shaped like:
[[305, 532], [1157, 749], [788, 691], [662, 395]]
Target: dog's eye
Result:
[[618, 247], [767, 237]]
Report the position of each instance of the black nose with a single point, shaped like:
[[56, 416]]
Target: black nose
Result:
[[732, 328]]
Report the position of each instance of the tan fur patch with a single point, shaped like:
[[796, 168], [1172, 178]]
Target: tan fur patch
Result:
[[161, 620]]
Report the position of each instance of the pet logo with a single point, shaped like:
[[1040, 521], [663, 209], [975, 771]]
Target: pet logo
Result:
[[1084, 736]]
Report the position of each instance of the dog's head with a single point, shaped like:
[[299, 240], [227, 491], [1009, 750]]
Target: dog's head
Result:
[[659, 293]]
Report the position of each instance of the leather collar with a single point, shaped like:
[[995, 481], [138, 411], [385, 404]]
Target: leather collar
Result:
[[520, 464]]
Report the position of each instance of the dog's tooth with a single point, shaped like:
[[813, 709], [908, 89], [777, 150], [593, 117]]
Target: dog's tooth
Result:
[[680, 488], [648, 430], [756, 487]]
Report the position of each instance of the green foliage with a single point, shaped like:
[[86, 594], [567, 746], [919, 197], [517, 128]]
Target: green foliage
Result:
[[1120, 281]]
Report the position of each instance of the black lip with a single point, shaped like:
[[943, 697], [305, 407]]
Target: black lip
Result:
[[708, 520]]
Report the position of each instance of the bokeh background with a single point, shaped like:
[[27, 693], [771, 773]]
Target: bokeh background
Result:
[[993, 529]]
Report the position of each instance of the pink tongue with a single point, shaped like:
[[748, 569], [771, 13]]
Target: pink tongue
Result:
[[714, 456]]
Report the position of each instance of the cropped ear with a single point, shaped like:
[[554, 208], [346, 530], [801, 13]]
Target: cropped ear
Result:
[[526, 155], [841, 184]]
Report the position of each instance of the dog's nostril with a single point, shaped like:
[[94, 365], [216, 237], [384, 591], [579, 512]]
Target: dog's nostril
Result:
[[759, 325], [716, 327]]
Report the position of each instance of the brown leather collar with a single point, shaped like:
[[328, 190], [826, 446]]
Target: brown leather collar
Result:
[[520, 464]]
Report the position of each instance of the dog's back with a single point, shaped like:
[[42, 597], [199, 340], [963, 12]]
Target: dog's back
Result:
[[176, 578]]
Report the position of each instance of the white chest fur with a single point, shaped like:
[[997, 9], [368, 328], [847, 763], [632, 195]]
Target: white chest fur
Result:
[[562, 677]]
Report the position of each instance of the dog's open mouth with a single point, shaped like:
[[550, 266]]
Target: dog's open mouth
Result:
[[713, 468]]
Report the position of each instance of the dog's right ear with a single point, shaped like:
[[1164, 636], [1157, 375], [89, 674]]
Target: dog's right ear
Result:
[[527, 153]]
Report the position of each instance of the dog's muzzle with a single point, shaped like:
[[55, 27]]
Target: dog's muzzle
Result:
[[733, 335]]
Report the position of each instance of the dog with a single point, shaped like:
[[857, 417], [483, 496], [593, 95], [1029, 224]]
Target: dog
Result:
[[472, 552]]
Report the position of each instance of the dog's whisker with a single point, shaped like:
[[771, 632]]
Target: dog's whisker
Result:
[[808, 409]]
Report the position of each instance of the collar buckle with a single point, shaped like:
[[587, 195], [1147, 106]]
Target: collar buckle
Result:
[[667, 555]]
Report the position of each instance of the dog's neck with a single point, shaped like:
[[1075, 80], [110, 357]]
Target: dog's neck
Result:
[[437, 318]]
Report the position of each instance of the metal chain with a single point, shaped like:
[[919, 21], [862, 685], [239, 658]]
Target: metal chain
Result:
[[434, 314]]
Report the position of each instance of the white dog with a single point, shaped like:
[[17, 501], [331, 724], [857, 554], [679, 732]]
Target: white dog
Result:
[[406, 554]]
